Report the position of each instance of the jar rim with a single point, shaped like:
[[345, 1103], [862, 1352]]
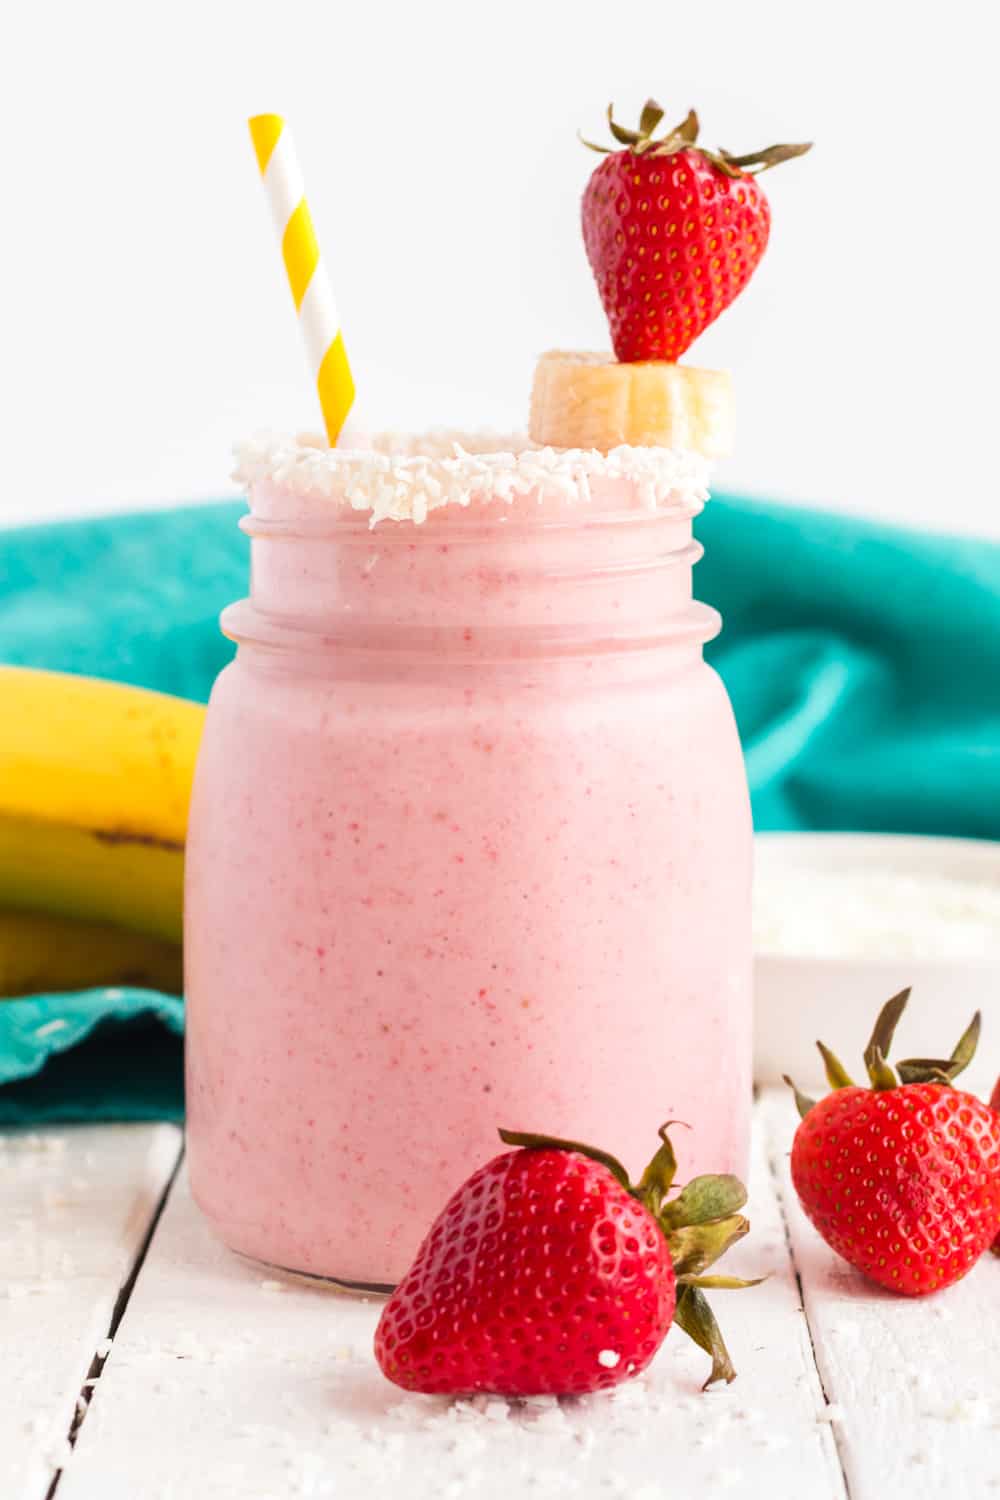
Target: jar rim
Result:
[[403, 478]]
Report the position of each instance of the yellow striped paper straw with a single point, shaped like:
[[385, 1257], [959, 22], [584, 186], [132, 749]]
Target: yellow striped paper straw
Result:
[[307, 278]]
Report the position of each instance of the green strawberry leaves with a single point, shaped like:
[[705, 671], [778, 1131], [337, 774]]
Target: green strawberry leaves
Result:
[[881, 1075], [695, 1247], [657, 1180], [651, 116], [683, 137], [836, 1074], [911, 1070], [694, 1315], [704, 1200], [879, 1043], [937, 1070], [803, 1103], [721, 1283], [771, 156]]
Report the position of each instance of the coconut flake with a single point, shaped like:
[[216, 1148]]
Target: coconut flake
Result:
[[404, 478]]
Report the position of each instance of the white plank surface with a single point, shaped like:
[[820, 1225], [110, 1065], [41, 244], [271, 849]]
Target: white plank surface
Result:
[[76, 1205], [914, 1385], [227, 1386]]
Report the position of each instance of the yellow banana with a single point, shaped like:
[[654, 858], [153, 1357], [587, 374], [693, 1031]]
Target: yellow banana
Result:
[[95, 779], [39, 953]]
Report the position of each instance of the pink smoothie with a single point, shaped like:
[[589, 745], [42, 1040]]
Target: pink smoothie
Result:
[[470, 847]]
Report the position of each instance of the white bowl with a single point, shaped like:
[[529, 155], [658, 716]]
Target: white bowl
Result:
[[870, 914]]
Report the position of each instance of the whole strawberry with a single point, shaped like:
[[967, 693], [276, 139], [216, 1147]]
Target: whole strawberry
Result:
[[549, 1273], [902, 1179], [673, 232]]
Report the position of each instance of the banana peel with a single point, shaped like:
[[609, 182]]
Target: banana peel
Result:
[[95, 781], [41, 953]]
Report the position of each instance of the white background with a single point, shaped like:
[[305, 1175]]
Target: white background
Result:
[[145, 322]]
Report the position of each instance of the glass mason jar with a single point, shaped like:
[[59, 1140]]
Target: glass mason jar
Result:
[[470, 847]]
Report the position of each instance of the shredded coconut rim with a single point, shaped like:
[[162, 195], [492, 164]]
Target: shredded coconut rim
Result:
[[403, 477]]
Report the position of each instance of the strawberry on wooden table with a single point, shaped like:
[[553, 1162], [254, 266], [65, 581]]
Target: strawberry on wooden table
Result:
[[673, 232], [902, 1179], [548, 1272]]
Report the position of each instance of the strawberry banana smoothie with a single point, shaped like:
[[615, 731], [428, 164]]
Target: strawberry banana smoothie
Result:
[[469, 845]]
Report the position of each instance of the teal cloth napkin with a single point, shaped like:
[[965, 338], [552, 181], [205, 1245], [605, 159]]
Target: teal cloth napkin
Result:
[[96, 1055], [863, 662]]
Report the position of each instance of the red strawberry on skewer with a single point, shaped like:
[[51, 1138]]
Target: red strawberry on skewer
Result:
[[902, 1179], [673, 232], [549, 1273]]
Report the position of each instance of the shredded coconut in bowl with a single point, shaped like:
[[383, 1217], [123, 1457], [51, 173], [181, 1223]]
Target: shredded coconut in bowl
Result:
[[404, 477], [854, 908]]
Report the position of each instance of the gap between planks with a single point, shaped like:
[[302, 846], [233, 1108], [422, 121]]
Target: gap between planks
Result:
[[78, 1204], [913, 1383], [227, 1384], [772, 1150], [907, 1389], [103, 1350]]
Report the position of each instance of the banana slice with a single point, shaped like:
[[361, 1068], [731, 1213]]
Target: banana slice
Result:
[[592, 401]]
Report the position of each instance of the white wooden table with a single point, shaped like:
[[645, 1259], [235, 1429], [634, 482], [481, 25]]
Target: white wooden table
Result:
[[142, 1361]]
